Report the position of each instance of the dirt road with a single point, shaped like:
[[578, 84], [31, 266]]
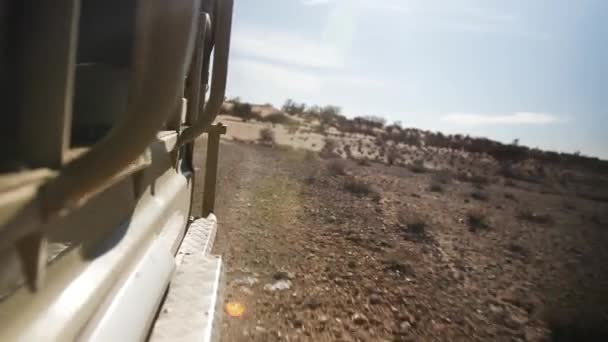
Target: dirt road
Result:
[[311, 261]]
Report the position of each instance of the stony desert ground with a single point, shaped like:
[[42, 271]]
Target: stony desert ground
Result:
[[326, 236]]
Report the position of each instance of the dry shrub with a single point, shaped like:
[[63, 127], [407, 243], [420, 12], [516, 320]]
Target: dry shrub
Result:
[[416, 224], [568, 205], [267, 136], [329, 149], [479, 195], [476, 219], [362, 188], [278, 118], [479, 181], [463, 176], [417, 166], [530, 216], [436, 187], [392, 155], [413, 226], [310, 155], [442, 177], [337, 167], [510, 196], [364, 162]]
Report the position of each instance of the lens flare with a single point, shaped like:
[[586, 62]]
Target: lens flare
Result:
[[234, 309]]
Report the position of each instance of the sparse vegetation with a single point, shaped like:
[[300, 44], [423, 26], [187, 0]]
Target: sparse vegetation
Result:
[[267, 136], [414, 223], [476, 219], [568, 205], [337, 167], [360, 187], [479, 181], [243, 111], [530, 216], [392, 155], [436, 187], [417, 166], [413, 226], [500, 254], [278, 118], [329, 149], [442, 177], [363, 162], [479, 195]]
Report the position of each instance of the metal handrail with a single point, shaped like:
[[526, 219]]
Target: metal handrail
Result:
[[222, 31], [164, 42]]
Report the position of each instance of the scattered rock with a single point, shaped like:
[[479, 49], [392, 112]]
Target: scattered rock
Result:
[[359, 319], [283, 275], [246, 290], [516, 319], [496, 309], [404, 328], [247, 281], [278, 286], [260, 329], [375, 299], [399, 267], [297, 323], [312, 303]]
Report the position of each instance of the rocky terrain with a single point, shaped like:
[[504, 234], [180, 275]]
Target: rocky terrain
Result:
[[322, 248]]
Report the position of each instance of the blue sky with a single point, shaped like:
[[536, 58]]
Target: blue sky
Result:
[[526, 69]]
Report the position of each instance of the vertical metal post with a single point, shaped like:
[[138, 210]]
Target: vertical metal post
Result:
[[49, 66], [213, 147]]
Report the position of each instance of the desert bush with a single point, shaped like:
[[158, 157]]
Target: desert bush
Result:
[[360, 187], [337, 167], [364, 162], [506, 170], [329, 149], [477, 220], [392, 155], [568, 205], [267, 136], [292, 127], [243, 111], [310, 155], [530, 216], [463, 176], [413, 226], [278, 118], [479, 195], [442, 177], [293, 108], [417, 166], [479, 181], [510, 196], [436, 187]]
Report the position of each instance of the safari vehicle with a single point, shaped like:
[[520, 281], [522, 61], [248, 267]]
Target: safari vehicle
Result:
[[102, 101]]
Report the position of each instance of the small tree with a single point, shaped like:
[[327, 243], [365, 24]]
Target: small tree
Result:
[[291, 107], [243, 111]]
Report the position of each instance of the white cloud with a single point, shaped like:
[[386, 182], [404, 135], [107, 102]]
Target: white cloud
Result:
[[268, 82], [519, 118], [316, 2], [452, 16], [286, 48], [385, 5]]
